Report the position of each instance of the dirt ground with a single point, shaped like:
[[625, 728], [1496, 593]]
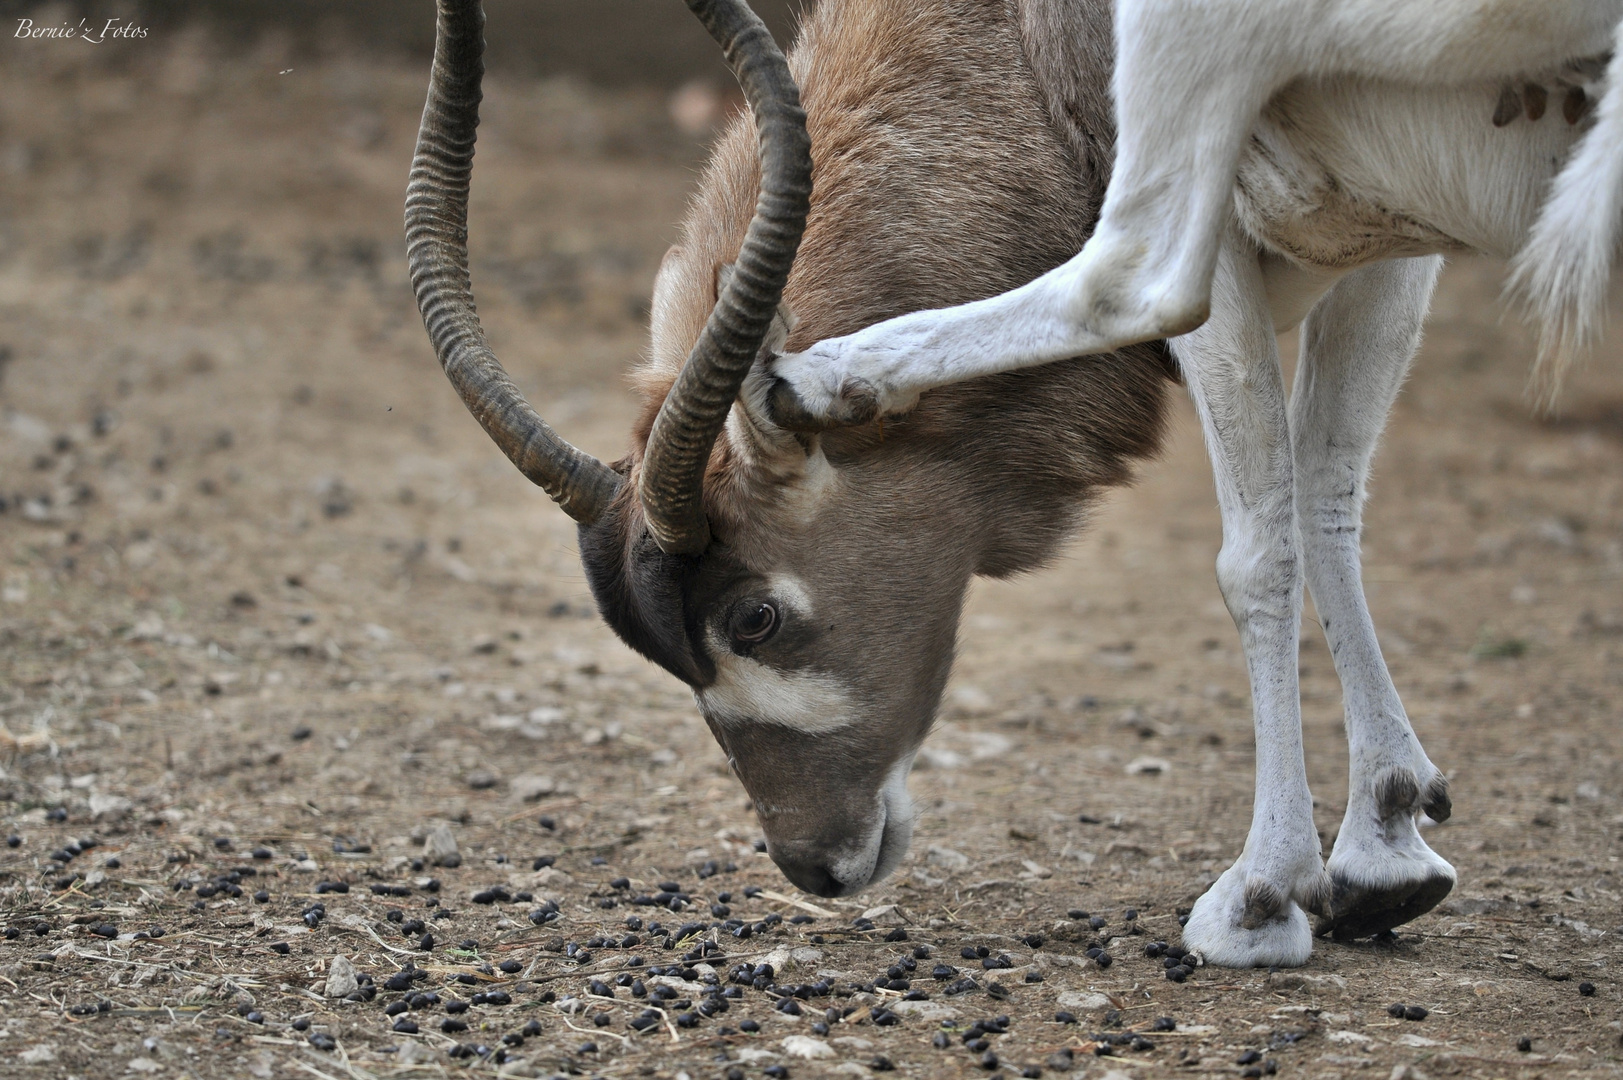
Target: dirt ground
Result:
[[275, 613]]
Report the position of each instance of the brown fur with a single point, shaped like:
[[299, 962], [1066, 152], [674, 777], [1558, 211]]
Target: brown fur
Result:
[[946, 170], [951, 164]]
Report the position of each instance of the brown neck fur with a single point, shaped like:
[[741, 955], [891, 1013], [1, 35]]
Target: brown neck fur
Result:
[[952, 163]]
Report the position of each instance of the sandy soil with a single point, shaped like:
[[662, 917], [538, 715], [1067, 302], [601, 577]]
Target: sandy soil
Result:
[[266, 586]]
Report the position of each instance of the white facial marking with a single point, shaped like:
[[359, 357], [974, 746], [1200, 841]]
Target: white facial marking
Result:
[[748, 691], [792, 598]]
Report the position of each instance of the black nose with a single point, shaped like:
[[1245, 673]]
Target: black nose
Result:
[[812, 877]]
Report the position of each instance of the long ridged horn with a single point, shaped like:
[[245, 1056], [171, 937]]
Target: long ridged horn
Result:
[[672, 485], [437, 252]]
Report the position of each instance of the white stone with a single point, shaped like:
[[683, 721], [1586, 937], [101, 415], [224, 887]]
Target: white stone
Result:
[[930, 1011], [938, 757], [988, 745], [1149, 766], [946, 858], [749, 1055], [531, 787], [1078, 1002], [804, 1046], [440, 846], [109, 806], [972, 699], [142, 1065], [38, 1055], [1411, 1039], [551, 877], [341, 981]]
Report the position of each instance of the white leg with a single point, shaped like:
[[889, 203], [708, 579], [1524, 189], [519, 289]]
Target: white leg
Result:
[[1356, 348], [1253, 915], [1191, 78]]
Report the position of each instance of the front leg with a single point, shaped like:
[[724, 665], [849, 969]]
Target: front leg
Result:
[[1255, 914], [882, 369], [1190, 79]]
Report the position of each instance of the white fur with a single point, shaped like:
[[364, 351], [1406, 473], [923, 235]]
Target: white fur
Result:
[[1563, 270], [747, 691], [1275, 161], [1232, 367]]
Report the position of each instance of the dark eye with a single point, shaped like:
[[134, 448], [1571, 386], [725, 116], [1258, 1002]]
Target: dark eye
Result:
[[754, 622]]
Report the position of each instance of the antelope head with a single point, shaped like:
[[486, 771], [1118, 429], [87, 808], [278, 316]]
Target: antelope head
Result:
[[807, 587]]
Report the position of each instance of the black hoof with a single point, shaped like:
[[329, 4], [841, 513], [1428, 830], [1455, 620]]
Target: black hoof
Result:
[[857, 405], [1361, 911]]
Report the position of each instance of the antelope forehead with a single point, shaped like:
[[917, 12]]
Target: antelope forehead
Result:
[[747, 691]]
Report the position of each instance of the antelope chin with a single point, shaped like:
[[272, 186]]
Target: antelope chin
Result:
[[887, 844]]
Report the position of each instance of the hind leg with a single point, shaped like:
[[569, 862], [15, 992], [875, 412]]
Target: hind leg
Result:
[[1356, 348], [1256, 912]]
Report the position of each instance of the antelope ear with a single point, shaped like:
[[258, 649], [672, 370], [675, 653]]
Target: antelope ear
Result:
[[783, 321]]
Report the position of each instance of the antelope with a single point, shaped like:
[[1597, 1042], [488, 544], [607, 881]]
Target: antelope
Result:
[[856, 400]]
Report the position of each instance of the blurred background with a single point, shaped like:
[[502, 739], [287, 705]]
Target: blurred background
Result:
[[610, 42]]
